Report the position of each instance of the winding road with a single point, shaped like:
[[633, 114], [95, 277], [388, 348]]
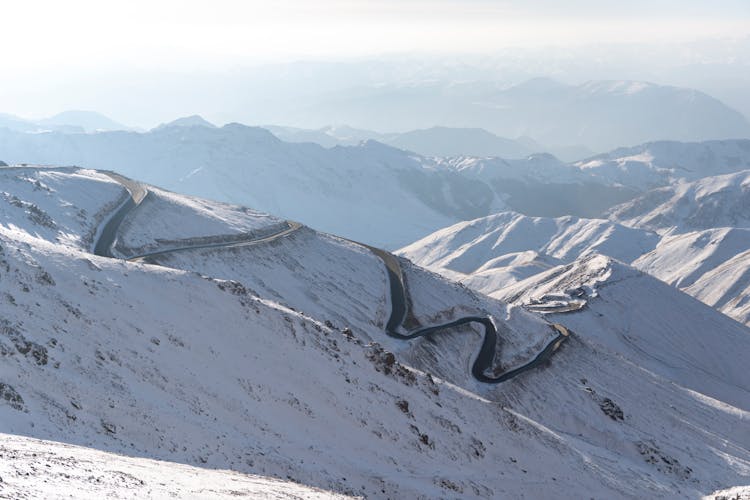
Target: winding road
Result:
[[137, 193], [484, 360], [108, 236]]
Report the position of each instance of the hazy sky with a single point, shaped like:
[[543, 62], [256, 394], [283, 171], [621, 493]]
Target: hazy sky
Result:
[[179, 33], [121, 57]]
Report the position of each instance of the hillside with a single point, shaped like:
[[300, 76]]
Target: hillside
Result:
[[655, 164], [711, 202], [711, 265], [685, 340], [490, 252], [33, 468], [265, 353]]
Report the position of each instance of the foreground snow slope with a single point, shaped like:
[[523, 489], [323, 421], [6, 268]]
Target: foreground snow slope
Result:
[[32, 468], [239, 359]]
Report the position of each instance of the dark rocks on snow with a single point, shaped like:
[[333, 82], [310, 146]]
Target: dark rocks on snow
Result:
[[611, 409], [11, 396]]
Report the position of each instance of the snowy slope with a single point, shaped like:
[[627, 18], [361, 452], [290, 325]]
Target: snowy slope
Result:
[[656, 163], [32, 468], [541, 185], [40, 199], [489, 253], [240, 359], [711, 265], [494, 252], [711, 202], [174, 220], [647, 321]]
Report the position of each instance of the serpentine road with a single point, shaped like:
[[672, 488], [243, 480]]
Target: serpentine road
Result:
[[484, 360], [108, 237]]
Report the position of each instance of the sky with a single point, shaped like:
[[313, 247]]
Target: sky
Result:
[[81, 53], [180, 33]]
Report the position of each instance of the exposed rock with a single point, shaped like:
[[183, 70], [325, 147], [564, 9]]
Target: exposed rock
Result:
[[611, 409], [9, 394]]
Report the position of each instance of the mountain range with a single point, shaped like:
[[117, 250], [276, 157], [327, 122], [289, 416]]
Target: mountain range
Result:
[[221, 337], [692, 235], [73, 121], [369, 192], [598, 115]]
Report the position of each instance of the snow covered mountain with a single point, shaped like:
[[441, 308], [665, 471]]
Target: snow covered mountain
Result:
[[711, 202], [658, 163], [608, 292], [712, 266], [493, 253], [33, 468], [490, 252], [243, 342], [447, 141], [188, 121], [370, 192], [328, 136]]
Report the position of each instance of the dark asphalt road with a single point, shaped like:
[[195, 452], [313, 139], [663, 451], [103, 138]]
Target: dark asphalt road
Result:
[[108, 236]]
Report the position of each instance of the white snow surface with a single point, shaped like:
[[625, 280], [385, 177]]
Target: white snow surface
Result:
[[65, 205], [492, 253], [236, 360], [33, 468], [468, 246], [712, 266], [719, 201], [657, 163], [654, 325], [165, 220]]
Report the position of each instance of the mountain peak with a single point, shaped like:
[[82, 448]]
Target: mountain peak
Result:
[[188, 121], [88, 121]]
